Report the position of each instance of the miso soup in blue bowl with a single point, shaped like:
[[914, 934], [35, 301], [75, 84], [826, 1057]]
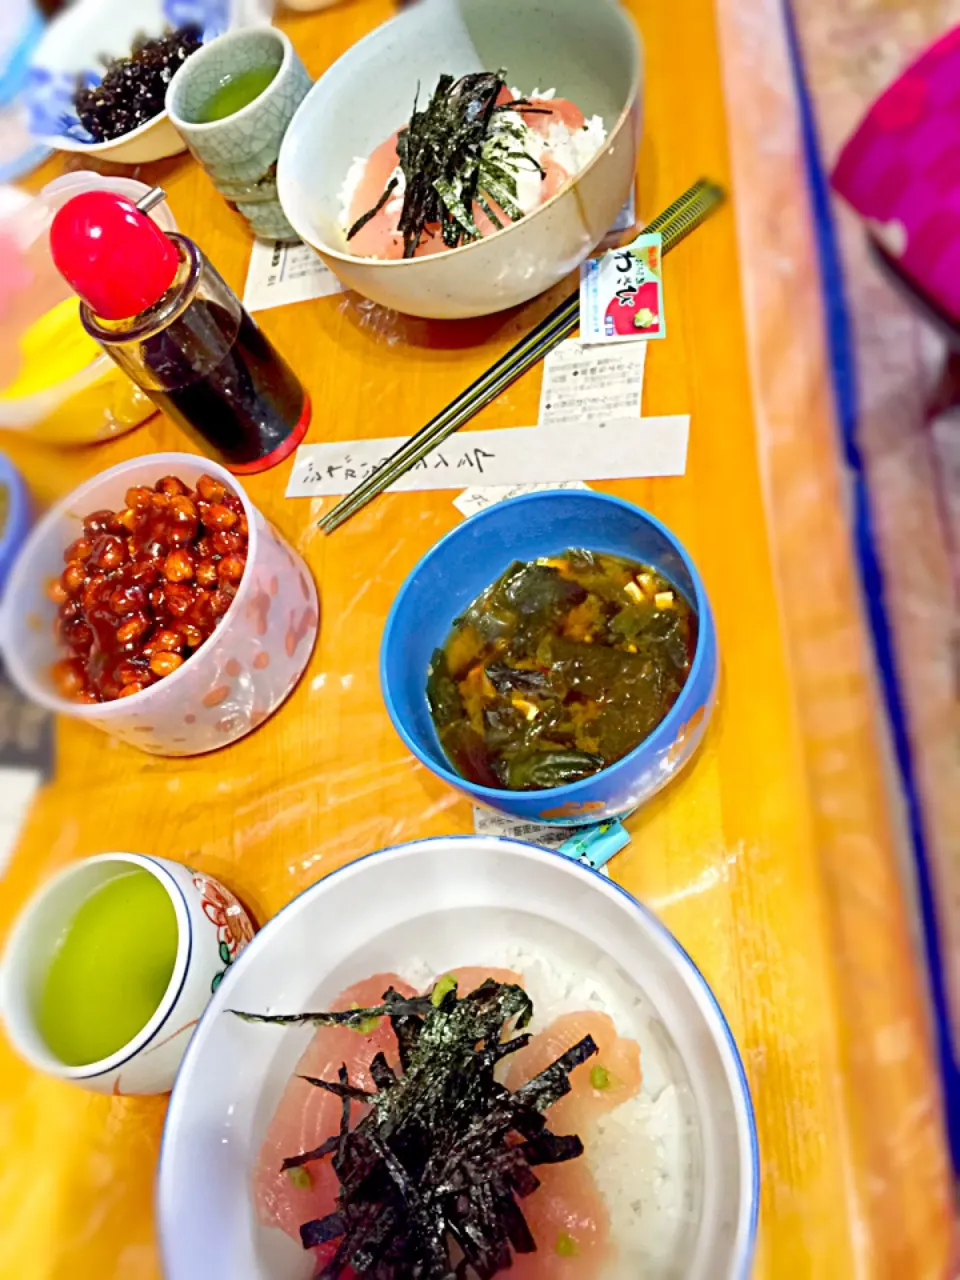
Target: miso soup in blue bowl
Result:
[[534, 531]]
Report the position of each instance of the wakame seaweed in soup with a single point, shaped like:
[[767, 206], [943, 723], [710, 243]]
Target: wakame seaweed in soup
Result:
[[559, 669]]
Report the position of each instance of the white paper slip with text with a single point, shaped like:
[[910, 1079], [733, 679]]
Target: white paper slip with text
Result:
[[616, 450], [283, 271], [587, 384]]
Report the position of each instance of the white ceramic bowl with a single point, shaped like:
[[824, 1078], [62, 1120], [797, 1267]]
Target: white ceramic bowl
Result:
[[450, 901], [74, 45], [588, 51], [212, 929]]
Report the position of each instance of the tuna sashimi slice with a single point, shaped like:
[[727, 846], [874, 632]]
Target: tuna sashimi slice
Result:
[[378, 238], [307, 1116], [570, 1225], [566, 1215], [469, 977], [555, 176], [553, 111], [603, 1082]]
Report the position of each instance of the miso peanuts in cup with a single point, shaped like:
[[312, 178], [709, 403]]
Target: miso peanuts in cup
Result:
[[145, 586]]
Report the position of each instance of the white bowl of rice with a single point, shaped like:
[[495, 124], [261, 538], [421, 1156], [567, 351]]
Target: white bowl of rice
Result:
[[676, 1164], [577, 170]]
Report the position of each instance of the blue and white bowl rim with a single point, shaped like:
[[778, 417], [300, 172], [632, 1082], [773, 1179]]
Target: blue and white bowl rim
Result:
[[682, 957], [48, 92], [664, 732]]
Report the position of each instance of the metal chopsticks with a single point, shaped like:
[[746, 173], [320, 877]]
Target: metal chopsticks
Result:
[[674, 223]]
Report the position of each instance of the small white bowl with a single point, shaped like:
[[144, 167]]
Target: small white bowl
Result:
[[446, 902], [237, 678], [75, 45], [588, 50], [212, 927]]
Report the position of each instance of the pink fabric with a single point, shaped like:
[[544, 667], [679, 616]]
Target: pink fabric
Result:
[[901, 170]]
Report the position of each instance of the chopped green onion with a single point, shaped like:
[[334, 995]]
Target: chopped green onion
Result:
[[599, 1078], [567, 1246], [367, 1025], [442, 990], [300, 1177]]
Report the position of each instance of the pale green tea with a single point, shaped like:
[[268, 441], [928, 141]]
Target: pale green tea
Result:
[[236, 92], [111, 969]]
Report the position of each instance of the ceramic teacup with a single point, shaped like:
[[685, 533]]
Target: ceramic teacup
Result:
[[212, 928], [240, 151]]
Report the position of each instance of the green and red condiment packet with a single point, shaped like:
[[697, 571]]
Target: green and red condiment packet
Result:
[[621, 293]]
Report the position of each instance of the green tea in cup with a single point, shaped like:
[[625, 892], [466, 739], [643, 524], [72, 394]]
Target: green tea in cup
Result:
[[110, 969], [232, 110], [111, 963], [236, 91]]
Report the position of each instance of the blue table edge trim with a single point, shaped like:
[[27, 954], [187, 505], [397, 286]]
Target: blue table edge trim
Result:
[[844, 378]]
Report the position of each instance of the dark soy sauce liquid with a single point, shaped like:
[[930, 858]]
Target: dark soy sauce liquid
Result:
[[221, 379]]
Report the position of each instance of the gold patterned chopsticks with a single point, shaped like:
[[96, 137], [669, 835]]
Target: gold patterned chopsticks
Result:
[[674, 223]]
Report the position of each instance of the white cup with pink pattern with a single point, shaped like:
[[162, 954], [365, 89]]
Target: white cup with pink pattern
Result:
[[212, 930], [230, 684]]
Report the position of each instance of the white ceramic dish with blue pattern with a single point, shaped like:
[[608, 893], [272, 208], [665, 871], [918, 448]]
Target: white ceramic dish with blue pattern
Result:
[[73, 49], [436, 904]]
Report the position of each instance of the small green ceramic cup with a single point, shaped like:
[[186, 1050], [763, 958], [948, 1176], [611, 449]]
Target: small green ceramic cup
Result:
[[240, 151]]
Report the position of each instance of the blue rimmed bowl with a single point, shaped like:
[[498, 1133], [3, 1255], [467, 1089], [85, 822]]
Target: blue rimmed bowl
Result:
[[689, 1155], [473, 556], [14, 516]]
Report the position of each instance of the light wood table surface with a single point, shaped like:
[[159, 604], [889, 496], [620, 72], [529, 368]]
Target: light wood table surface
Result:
[[743, 857]]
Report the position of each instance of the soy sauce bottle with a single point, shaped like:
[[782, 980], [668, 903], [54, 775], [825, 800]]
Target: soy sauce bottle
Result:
[[159, 308]]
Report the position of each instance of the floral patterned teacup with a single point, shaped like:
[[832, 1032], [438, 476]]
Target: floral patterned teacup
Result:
[[212, 929]]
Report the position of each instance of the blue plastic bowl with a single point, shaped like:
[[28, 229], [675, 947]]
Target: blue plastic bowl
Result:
[[15, 525], [465, 562]]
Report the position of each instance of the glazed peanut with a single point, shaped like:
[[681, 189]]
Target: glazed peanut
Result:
[[144, 587]]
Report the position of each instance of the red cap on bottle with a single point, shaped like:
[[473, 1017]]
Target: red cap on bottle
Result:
[[115, 257]]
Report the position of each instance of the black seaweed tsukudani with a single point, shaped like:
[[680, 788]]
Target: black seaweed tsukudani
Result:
[[133, 89]]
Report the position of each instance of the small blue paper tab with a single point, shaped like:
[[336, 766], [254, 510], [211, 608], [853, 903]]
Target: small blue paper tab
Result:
[[596, 845]]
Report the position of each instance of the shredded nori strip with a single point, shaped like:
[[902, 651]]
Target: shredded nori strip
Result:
[[454, 153], [325, 1149], [444, 1154], [354, 1018], [372, 213], [340, 1090]]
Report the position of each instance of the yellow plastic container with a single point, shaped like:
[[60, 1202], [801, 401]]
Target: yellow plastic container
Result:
[[96, 404], [63, 389]]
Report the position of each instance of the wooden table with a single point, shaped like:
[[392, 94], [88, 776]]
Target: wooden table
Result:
[[773, 858]]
